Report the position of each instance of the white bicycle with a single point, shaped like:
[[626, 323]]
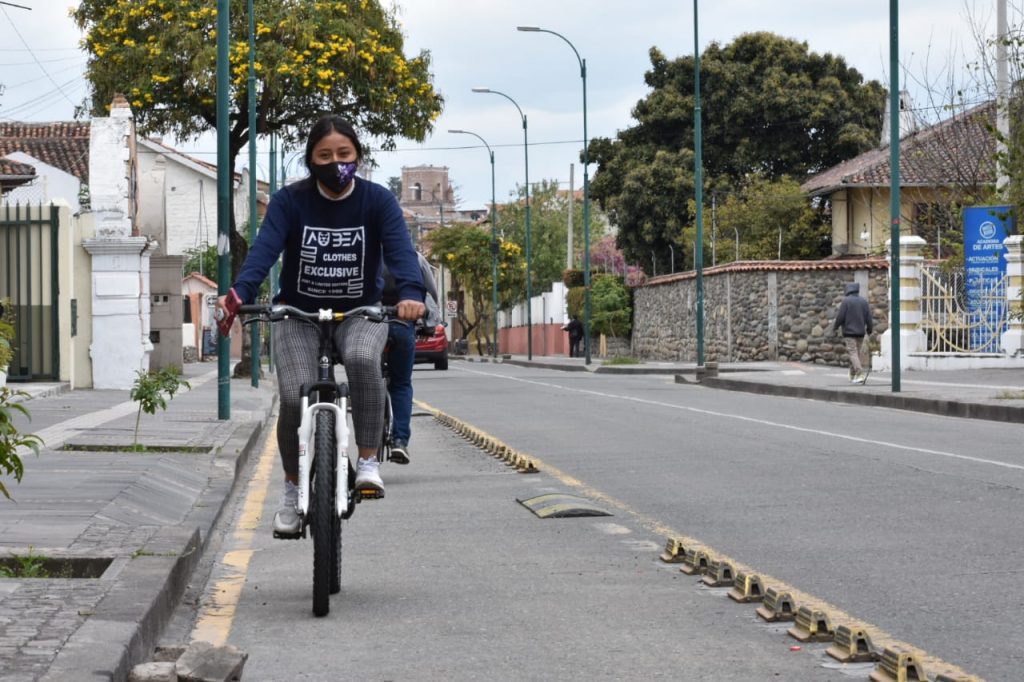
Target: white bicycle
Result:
[[327, 494]]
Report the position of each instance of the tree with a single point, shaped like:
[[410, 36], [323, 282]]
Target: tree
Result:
[[770, 108], [337, 56], [395, 185], [465, 250], [549, 229], [762, 210]]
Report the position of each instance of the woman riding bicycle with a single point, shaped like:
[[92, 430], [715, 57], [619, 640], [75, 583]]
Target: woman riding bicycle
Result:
[[334, 229]]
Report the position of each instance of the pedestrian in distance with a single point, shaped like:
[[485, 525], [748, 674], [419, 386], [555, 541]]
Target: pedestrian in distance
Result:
[[575, 329], [402, 357], [335, 231], [854, 319]]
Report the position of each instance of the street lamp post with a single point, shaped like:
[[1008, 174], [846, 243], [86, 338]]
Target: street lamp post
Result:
[[529, 253], [586, 191], [494, 241]]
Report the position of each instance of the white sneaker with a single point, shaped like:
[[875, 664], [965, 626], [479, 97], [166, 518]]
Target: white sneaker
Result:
[[368, 477], [286, 520]]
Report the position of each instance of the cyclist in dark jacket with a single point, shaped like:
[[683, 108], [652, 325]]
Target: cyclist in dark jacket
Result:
[[854, 318]]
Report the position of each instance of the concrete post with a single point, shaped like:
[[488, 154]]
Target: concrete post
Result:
[[1012, 340], [912, 338], [120, 255]]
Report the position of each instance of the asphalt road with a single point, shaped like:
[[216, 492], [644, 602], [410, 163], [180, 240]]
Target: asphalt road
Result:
[[899, 521], [902, 520]]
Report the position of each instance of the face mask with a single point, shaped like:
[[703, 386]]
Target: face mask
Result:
[[334, 176]]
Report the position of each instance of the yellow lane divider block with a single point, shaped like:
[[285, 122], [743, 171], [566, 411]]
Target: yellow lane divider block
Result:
[[720, 574], [697, 562], [812, 625], [746, 588], [898, 666], [852, 645], [675, 551], [778, 606]]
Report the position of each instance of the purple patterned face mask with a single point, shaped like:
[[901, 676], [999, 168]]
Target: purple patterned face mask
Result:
[[334, 176]]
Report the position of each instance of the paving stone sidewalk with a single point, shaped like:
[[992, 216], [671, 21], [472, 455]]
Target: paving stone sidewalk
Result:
[[134, 523]]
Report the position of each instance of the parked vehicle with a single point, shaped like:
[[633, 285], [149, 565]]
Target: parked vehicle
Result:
[[432, 346]]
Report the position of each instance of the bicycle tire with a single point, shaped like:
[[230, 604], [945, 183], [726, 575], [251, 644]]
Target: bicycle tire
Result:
[[322, 513], [336, 541], [384, 449]]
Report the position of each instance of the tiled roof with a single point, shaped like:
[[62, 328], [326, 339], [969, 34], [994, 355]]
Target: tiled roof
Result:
[[957, 151], [773, 266], [63, 144], [11, 168]]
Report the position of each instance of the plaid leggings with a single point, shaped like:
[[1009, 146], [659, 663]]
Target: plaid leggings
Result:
[[359, 343]]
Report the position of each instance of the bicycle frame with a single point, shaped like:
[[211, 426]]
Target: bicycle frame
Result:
[[329, 396]]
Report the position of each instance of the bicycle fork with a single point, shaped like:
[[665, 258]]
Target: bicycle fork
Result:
[[307, 446]]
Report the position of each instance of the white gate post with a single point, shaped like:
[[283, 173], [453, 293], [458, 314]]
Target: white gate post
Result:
[[907, 320], [1012, 340]]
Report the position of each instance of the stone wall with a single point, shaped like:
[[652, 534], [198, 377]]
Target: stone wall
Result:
[[764, 310]]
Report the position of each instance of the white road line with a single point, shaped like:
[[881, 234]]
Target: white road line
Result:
[[763, 422]]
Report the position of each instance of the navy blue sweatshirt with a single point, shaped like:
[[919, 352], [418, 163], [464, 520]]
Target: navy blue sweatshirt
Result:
[[332, 249]]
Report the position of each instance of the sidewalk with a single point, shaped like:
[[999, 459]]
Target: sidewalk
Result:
[[993, 394], [133, 525]]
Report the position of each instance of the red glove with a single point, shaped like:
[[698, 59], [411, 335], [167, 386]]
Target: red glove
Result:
[[224, 320]]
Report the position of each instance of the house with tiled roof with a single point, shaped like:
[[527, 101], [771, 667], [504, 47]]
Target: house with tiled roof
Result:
[[940, 166], [14, 174], [58, 153]]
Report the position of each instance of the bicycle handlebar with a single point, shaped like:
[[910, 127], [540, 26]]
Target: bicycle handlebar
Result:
[[276, 312]]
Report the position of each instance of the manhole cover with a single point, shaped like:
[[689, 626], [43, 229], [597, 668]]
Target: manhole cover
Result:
[[560, 505]]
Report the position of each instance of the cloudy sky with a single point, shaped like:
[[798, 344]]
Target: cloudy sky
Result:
[[475, 43]]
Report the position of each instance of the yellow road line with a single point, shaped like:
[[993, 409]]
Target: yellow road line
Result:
[[217, 613], [879, 637]]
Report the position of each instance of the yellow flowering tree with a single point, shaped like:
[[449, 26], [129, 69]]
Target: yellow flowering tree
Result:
[[465, 251], [340, 56], [312, 57]]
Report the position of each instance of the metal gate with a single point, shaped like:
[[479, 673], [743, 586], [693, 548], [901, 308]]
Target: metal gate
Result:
[[28, 277], [949, 326]]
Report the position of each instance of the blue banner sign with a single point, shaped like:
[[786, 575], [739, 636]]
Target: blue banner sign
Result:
[[985, 229]]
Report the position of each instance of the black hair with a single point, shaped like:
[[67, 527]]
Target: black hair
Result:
[[324, 127]]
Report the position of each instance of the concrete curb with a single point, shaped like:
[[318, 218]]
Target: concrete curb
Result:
[[944, 408], [127, 623]]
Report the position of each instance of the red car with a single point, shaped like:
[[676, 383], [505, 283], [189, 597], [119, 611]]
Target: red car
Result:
[[432, 346]]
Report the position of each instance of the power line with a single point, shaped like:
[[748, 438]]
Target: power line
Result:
[[27, 47]]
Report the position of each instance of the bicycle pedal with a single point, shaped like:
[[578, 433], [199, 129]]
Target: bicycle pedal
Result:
[[370, 494], [288, 536]]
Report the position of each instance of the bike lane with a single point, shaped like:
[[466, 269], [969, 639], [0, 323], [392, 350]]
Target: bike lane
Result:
[[449, 576]]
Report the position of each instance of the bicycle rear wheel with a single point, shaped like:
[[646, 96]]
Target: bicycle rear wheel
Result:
[[325, 524]]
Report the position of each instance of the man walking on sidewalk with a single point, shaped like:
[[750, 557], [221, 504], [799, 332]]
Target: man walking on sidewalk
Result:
[[854, 317]]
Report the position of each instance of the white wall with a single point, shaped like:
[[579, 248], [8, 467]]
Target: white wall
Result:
[[51, 185]]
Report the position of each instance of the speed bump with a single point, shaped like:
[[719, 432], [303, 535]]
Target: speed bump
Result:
[[675, 551], [960, 678], [852, 646], [812, 625], [746, 588], [696, 562], [898, 666], [560, 505], [777, 606], [720, 574]]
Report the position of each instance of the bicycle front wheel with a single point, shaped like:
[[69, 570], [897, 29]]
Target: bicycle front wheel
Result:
[[325, 523], [384, 451]]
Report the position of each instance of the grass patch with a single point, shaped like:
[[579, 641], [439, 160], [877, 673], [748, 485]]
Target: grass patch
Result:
[[138, 447], [35, 566], [622, 360], [1010, 395]]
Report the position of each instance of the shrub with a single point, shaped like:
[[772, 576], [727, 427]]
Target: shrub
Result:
[[152, 390], [610, 311], [11, 438]]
